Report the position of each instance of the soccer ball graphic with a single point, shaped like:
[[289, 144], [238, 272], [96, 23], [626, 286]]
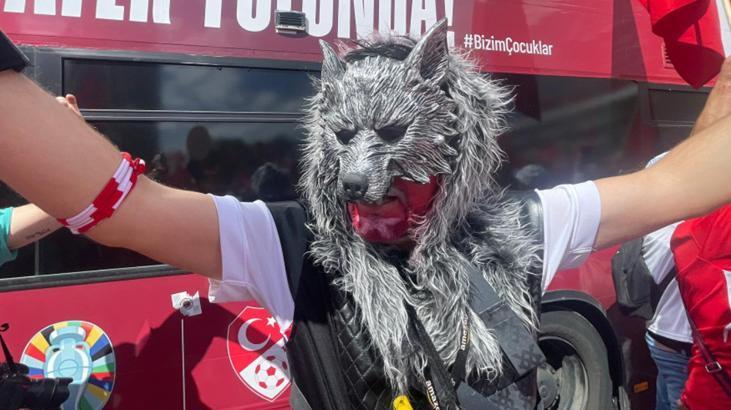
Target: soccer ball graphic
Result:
[[261, 364], [271, 373]]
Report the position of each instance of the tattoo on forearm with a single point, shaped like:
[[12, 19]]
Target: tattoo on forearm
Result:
[[37, 235]]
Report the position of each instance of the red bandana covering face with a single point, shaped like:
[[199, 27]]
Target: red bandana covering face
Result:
[[390, 221]]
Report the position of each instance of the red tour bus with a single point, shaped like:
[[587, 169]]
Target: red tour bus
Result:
[[215, 90]]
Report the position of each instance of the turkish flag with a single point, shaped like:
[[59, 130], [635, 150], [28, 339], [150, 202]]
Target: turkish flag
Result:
[[692, 34]]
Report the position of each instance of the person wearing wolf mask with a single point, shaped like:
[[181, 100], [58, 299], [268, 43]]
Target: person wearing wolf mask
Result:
[[405, 269]]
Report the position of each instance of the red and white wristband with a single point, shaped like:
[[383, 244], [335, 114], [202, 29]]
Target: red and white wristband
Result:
[[109, 199]]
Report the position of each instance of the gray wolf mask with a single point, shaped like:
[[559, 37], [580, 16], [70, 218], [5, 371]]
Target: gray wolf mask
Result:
[[399, 109]]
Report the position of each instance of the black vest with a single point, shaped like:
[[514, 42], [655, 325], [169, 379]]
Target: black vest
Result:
[[331, 361]]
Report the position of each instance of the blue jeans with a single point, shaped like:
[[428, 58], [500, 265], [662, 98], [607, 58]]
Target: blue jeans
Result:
[[672, 372]]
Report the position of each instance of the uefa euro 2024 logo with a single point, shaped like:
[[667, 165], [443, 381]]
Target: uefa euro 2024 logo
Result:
[[79, 350], [257, 354]]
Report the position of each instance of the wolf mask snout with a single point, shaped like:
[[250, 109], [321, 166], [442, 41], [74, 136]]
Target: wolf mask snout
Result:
[[355, 186]]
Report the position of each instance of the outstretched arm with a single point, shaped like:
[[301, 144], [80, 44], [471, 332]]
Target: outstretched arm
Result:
[[690, 181], [52, 158], [28, 224]]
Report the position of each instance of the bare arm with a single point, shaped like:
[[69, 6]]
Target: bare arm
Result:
[[690, 181], [28, 224], [53, 159]]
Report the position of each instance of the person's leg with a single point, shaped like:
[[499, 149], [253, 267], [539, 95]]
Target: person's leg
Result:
[[672, 374], [661, 392], [675, 375]]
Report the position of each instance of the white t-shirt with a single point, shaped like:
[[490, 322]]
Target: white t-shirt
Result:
[[253, 265], [670, 319]]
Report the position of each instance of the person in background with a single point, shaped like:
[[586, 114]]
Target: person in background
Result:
[[26, 224], [702, 251], [668, 333], [532, 176], [271, 183], [669, 337]]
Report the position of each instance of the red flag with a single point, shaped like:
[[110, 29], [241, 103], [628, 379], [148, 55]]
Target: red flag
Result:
[[692, 34]]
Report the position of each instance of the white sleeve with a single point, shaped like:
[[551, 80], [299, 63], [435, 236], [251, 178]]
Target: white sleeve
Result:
[[251, 259], [571, 215], [657, 253]]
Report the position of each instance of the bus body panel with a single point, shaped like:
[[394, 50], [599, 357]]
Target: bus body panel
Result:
[[588, 38], [147, 337]]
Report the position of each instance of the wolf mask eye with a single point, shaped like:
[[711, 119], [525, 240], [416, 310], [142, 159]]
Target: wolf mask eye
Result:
[[345, 136], [392, 133]]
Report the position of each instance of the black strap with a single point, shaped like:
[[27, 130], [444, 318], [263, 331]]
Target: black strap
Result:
[[713, 367], [662, 287], [521, 353], [459, 368], [518, 344], [439, 388]]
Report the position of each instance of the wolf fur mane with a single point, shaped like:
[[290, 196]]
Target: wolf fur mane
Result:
[[453, 115]]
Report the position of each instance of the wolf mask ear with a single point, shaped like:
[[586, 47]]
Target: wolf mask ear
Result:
[[332, 66], [430, 56]]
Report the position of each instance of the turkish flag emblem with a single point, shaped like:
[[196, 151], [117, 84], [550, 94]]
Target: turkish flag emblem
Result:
[[256, 350]]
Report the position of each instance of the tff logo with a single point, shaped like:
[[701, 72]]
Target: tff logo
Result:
[[256, 350]]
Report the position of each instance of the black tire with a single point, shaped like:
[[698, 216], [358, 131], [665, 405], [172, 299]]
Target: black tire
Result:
[[577, 372]]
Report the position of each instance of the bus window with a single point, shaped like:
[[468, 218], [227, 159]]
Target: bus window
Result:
[[674, 107], [569, 130], [217, 158], [154, 86]]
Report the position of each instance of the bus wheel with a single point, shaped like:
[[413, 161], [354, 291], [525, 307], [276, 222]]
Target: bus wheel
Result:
[[576, 373]]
